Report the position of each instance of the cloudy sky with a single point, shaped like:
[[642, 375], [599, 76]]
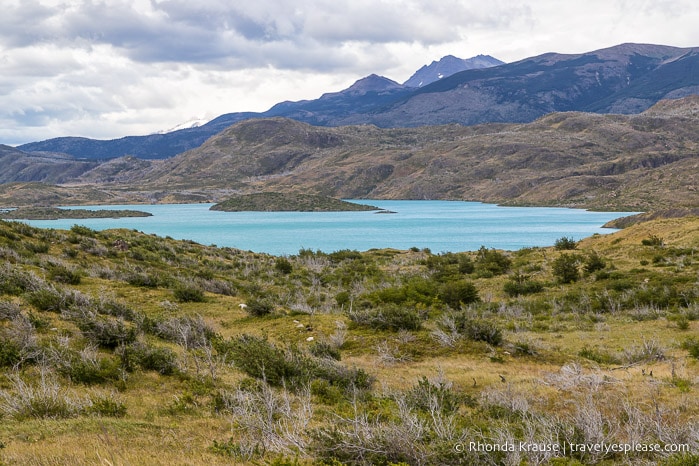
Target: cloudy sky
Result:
[[110, 68]]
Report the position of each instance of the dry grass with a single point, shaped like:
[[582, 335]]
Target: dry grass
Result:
[[538, 372]]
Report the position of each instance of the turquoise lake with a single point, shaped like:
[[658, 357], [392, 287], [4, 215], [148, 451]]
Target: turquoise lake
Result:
[[439, 225]]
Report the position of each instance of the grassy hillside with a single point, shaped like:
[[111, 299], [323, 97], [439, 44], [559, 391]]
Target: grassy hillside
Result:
[[118, 347]]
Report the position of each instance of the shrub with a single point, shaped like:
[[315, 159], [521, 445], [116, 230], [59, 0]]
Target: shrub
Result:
[[597, 356], [259, 307], [106, 406], [116, 309], [70, 253], [564, 243], [48, 299], [36, 248], [593, 262], [188, 332], [565, 268], [322, 349], [8, 310], [83, 231], [388, 317], [427, 395], [476, 330], [261, 359], [344, 255], [479, 330], [106, 332], [415, 290], [15, 282], [61, 274], [652, 240], [339, 375], [46, 399], [88, 369], [490, 262], [10, 352], [521, 284], [326, 393], [186, 293], [283, 266], [160, 359], [466, 265], [143, 279], [458, 293], [692, 346], [343, 298]]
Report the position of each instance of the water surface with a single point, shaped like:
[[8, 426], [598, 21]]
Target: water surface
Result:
[[439, 225]]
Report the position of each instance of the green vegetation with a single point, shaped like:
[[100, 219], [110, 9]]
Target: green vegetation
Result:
[[118, 347], [288, 202], [54, 213]]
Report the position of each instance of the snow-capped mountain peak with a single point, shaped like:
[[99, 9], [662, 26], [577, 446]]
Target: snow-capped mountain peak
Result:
[[447, 66]]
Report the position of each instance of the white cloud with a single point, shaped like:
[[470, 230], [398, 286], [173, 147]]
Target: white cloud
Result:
[[109, 68]]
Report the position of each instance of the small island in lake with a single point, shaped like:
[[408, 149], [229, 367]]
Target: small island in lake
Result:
[[54, 213], [288, 202]]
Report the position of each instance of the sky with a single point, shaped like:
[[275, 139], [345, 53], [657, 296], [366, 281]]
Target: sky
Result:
[[106, 69]]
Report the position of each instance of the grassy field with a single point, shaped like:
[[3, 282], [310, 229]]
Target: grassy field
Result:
[[118, 347]]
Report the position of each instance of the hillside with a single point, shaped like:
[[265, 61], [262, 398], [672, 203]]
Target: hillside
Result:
[[118, 347], [635, 162], [44, 167]]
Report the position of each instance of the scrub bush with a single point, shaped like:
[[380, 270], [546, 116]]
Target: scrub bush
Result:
[[263, 360], [259, 307], [476, 329], [565, 243], [106, 332], [283, 266], [62, 274], [391, 317], [188, 332], [565, 268], [520, 285], [490, 262], [594, 262], [187, 293], [106, 406], [458, 293], [151, 358]]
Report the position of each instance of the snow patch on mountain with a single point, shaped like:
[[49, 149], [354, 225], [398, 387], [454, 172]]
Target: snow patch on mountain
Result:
[[189, 124], [447, 66]]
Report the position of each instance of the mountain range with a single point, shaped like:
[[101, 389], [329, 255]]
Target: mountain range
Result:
[[637, 162], [626, 79], [613, 129], [362, 97]]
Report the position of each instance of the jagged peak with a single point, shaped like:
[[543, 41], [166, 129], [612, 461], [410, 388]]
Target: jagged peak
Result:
[[448, 65]]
